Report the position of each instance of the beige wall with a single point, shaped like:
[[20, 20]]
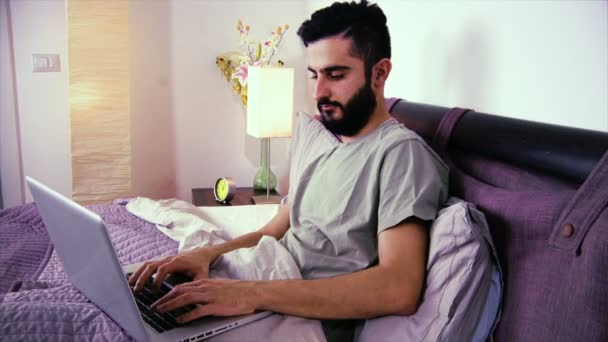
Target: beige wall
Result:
[[538, 60]]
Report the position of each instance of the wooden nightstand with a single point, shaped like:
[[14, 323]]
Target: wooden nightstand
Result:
[[204, 197]]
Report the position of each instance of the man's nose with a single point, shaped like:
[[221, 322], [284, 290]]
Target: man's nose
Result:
[[321, 89]]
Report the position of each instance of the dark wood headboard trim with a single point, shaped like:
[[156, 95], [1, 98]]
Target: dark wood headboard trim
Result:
[[565, 152]]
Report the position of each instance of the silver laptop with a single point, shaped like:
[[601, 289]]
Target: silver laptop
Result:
[[90, 262]]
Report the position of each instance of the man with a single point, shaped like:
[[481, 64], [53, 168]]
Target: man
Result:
[[360, 199]]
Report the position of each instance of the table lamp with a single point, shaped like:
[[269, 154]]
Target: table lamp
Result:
[[269, 111]]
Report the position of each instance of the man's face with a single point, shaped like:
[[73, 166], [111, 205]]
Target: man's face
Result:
[[344, 96]]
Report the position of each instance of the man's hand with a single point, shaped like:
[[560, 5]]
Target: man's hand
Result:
[[217, 297], [194, 264]]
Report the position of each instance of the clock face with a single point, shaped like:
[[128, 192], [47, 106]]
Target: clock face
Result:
[[221, 189], [224, 190]]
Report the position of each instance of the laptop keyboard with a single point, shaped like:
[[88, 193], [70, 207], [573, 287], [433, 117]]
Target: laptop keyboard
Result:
[[161, 322]]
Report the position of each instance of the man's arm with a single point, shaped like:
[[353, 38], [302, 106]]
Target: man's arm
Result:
[[394, 286]]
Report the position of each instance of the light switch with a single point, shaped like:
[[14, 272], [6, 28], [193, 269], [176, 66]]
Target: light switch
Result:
[[46, 63]]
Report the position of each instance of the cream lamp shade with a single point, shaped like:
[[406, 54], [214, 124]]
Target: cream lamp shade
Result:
[[269, 102]]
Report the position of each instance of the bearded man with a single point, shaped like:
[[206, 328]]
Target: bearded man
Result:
[[363, 190]]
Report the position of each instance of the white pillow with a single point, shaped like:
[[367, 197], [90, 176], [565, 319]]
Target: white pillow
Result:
[[459, 301]]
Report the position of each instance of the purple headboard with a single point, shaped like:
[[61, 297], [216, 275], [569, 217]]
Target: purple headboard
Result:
[[544, 191]]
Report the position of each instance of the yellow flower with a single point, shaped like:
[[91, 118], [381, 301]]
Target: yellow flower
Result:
[[236, 86], [227, 73]]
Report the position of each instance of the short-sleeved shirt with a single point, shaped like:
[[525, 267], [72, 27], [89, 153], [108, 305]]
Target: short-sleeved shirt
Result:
[[343, 194]]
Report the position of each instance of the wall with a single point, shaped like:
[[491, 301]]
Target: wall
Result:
[[152, 121], [41, 99], [188, 128], [536, 60], [551, 66], [10, 164], [209, 120]]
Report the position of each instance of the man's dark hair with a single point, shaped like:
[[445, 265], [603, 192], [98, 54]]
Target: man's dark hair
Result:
[[361, 21]]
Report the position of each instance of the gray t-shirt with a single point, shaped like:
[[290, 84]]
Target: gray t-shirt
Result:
[[342, 195]]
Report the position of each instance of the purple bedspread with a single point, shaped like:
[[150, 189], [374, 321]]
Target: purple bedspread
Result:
[[24, 245], [37, 302]]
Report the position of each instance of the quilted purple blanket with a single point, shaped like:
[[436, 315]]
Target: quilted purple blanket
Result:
[[37, 302]]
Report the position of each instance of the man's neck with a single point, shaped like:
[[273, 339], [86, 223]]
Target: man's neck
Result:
[[379, 116]]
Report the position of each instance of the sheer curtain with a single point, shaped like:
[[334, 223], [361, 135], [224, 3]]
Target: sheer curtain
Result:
[[100, 115]]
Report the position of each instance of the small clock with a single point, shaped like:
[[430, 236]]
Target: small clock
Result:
[[224, 190]]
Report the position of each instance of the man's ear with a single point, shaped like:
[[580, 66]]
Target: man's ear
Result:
[[381, 71]]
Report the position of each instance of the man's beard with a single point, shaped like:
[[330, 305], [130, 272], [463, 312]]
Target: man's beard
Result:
[[355, 114]]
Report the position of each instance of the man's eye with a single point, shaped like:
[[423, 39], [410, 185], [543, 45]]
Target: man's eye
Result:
[[335, 76], [313, 77]]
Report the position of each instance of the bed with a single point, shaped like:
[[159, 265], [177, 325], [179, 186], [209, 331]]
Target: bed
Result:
[[531, 180], [37, 300]]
